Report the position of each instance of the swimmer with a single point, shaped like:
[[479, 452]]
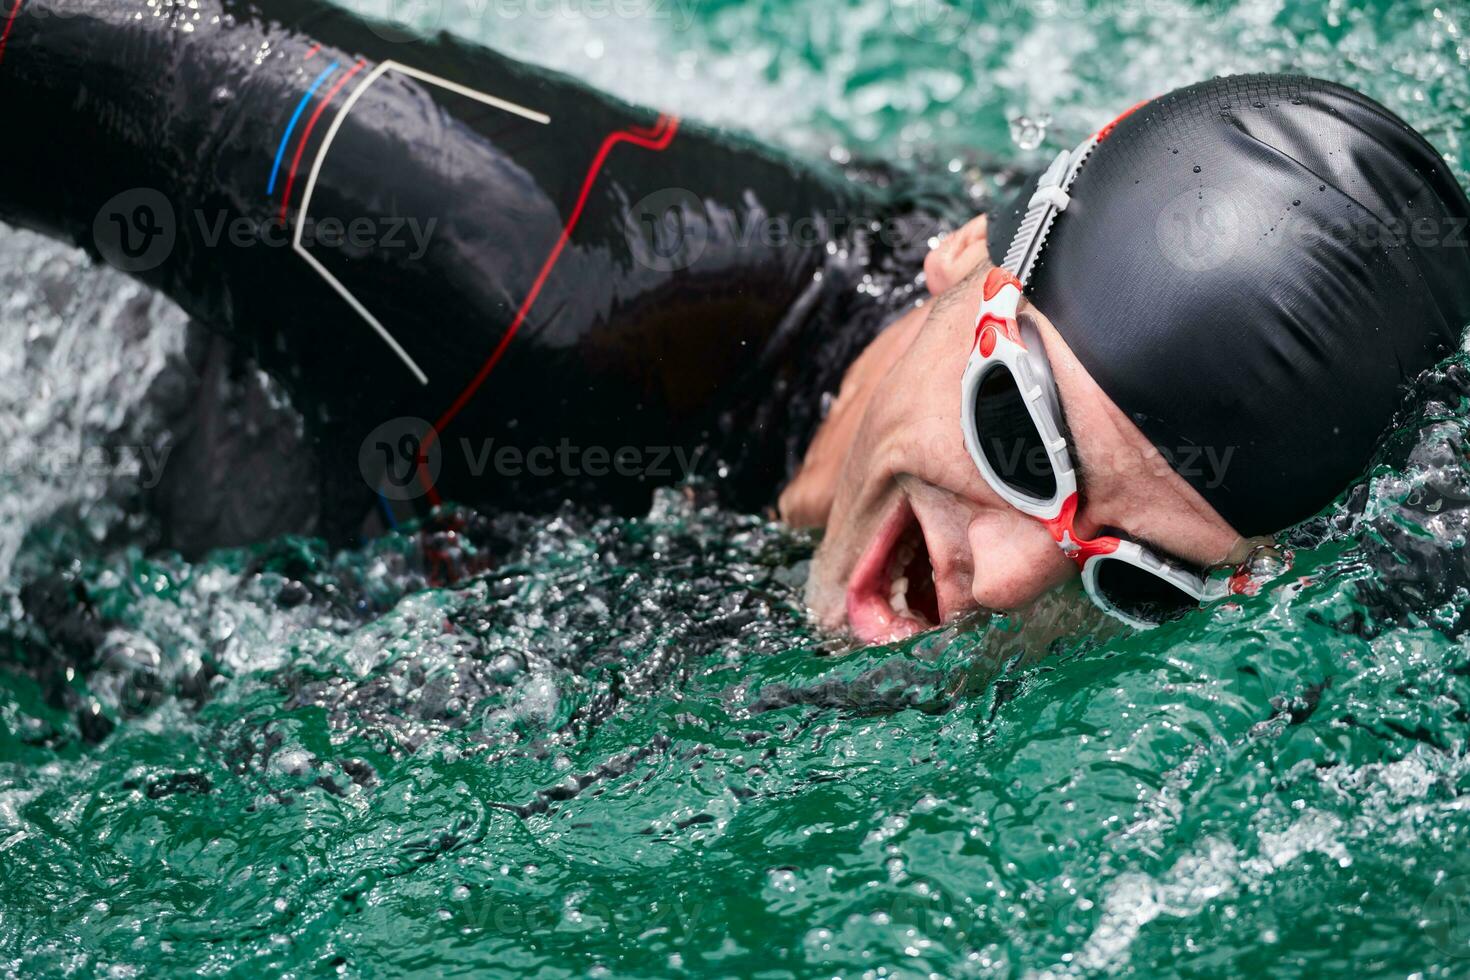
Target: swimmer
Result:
[[483, 282], [1226, 292]]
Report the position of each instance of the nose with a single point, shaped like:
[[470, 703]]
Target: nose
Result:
[[1016, 559]]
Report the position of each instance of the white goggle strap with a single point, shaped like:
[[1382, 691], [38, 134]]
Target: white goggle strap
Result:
[[1050, 199]]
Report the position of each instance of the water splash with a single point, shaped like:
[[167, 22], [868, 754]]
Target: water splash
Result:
[[1027, 134]]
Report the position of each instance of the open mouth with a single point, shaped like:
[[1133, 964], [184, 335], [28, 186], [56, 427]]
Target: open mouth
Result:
[[892, 594]]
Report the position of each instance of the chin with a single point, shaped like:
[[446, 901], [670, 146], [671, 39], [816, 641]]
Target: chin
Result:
[[826, 599]]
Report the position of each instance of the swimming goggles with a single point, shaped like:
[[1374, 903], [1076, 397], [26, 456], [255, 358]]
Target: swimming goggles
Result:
[[1013, 431]]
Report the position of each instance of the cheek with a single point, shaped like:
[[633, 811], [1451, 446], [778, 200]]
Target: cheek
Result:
[[926, 379], [919, 423], [1016, 560], [914, 435]]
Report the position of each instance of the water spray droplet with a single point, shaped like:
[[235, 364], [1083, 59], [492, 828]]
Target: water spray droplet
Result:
[[1028, 133]]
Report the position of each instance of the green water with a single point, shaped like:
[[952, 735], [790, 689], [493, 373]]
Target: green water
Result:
[[623, 751]]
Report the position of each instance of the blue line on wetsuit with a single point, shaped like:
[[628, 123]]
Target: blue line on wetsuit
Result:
[[295, 118], [388, 510]]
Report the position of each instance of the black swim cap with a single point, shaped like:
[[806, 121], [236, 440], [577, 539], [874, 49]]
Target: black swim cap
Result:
[[1255, 265]]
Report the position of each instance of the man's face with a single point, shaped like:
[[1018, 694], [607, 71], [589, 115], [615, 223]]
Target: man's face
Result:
[[916, 537]]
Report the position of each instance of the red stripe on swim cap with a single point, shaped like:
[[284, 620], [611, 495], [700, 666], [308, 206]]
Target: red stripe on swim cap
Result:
[[1107, 130]]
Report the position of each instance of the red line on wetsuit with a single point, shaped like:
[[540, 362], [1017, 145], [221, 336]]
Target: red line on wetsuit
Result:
[[305, 136], [313, 52], [656, 138], [9, 23]]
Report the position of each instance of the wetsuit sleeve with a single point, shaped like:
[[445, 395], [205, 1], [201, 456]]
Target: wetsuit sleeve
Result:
[[424, 229]]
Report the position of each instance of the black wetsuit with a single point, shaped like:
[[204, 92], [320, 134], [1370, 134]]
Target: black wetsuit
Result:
[[518, 261]]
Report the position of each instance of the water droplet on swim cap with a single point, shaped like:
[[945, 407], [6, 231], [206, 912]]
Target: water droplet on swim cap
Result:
[[1282, 355]]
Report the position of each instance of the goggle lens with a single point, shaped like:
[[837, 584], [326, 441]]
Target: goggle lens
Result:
[[1139, 593], [1008, 436]]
